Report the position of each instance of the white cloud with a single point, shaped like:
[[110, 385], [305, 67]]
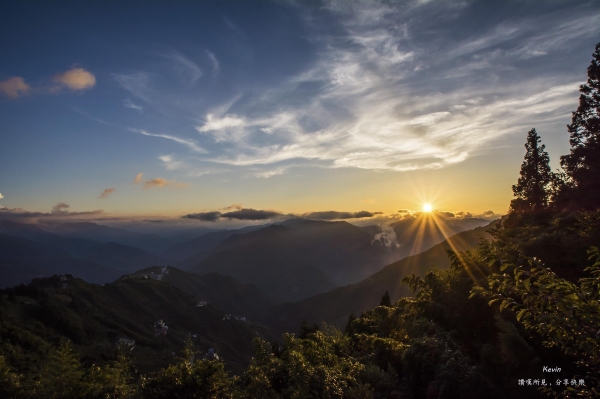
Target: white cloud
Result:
[[226, 128], [215, 123], [170, 163], [191, 144], [1, 196]]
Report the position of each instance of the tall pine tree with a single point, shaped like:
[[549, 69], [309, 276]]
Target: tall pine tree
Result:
[[582, 165], [532, 191]]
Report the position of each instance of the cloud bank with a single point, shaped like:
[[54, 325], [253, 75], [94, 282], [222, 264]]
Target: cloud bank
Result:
[[334, 215], [250, 214], [59, 210]]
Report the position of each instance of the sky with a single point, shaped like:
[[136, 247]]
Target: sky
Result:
[[171, 109]]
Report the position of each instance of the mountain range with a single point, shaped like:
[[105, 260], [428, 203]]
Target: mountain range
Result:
[[258, 281], [335, 306]]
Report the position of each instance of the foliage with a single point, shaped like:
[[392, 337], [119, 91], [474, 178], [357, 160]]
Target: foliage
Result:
[[565, 314], [318, 366], [582, 165], [191, 377]]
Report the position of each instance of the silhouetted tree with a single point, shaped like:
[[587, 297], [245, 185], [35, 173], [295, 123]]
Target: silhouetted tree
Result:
[[348, 329], [305, 329], [582, 165], [385, 300], [532, 191]]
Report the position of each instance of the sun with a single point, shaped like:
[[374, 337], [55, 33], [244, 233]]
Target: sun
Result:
[[427, 208]]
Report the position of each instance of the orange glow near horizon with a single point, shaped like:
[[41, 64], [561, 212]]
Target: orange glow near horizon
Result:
[[435, 224]]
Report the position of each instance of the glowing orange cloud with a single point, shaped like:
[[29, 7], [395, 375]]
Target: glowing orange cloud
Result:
[[76, 79], [160, 182], [14, 87]]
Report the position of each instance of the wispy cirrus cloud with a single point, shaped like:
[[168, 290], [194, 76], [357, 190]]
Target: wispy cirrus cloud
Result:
[[191, 144], [137, 83], [188, 71], [129, 104], [375, 105], [392, 87], [214, 62], [138, 178]]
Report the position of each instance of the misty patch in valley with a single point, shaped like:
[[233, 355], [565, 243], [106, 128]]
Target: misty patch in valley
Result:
[[387, 236]]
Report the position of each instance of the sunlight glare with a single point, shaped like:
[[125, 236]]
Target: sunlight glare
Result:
[[427, 208]]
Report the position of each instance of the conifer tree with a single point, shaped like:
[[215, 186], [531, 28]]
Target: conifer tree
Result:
[[532, 191], [582, 165], [385, 300], [62, 375]]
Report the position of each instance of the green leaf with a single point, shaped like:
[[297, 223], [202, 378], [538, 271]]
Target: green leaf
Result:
[[503, 267], [520, 314], [527, 284]]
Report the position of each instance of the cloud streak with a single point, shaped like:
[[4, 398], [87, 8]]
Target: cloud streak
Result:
[[138, 178], [214, 62], [191, 144], [107, 192], [159, 182], [129, 104]]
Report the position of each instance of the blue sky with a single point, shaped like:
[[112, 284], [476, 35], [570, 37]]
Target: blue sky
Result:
[[288, 106]]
